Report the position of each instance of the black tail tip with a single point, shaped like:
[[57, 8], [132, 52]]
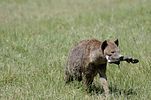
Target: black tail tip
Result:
[[135, 61]]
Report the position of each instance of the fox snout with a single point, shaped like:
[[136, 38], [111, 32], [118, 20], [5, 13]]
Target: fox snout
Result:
[[112, 59]]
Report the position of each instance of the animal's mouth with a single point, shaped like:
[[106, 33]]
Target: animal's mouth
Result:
[[114, 60]]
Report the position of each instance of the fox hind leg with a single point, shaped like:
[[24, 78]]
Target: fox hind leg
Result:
[[68, 77]]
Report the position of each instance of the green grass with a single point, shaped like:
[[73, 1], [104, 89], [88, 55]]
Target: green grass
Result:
[[36, 35]]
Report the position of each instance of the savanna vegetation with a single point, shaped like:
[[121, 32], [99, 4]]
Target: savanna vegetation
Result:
[[36, 36]]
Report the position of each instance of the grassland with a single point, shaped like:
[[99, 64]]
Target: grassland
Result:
[[36, 35]]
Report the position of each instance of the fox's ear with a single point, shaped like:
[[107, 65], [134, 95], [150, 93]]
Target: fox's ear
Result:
[[104, 45], [116, 42]]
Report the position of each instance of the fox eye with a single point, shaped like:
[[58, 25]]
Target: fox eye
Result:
[[113, 52]]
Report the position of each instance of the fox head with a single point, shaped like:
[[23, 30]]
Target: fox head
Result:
[[111, 51]]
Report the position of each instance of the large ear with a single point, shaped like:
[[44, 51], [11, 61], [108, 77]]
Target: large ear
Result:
[[116, 42], [104, 45]]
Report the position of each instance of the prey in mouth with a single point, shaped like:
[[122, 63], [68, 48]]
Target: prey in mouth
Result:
[[122, 58]]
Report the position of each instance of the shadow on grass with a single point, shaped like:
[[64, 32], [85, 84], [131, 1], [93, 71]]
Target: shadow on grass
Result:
[[114, 90]]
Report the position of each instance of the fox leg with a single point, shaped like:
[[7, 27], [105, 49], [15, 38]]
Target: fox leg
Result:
[[103, 79]]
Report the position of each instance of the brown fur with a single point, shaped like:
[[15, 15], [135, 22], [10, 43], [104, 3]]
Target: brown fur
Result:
[[88, 58]]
